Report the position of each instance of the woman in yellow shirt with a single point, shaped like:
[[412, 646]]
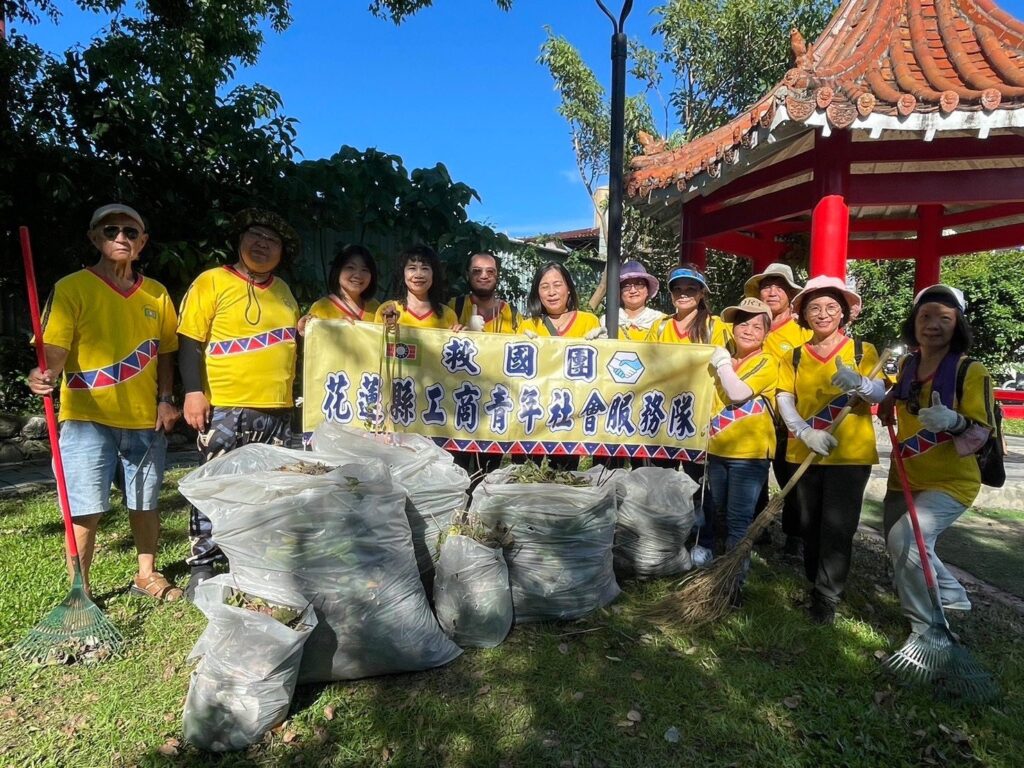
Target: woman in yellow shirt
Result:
[[742, 436], [636, 288], [819, 379], [944, 414], [692, 322], [351, 285], [419, 292], [552, 308]]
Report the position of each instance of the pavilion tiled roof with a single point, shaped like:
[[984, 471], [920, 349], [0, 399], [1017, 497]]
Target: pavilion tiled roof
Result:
[[891, 58]]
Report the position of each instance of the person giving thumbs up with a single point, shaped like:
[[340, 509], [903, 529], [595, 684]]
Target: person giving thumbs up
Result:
[[939, 418]]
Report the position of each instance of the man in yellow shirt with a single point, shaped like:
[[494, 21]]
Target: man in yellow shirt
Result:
[[110, 331], [238, 349], [482, 309]]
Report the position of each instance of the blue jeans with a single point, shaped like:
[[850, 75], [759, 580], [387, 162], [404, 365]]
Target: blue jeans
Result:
[[733, 485]]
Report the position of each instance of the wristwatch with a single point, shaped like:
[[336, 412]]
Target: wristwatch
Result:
[[169, 399]]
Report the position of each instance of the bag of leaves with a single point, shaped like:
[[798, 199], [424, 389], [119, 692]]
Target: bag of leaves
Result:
[[336, 533], [472, 598], [249, 658], [563, 525], [436, 487], [655, 516]]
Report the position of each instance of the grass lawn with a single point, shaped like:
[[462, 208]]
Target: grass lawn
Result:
[[763, 688], [984, 542], [1013, 426]]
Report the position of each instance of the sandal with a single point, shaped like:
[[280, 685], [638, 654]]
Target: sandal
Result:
[[157, 587]]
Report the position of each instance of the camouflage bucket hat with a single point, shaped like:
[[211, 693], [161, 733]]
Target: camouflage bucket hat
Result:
[[291, 244]]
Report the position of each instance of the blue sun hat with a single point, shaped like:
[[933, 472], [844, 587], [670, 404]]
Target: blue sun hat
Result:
[[684, 273]]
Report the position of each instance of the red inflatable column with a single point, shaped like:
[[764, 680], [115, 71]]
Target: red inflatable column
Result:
[[830, 237]]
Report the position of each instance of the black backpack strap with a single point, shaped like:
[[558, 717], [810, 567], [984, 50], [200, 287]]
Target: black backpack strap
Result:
[[460, 304], [549, 325], [858, 353], [961, 377], [796, 356]]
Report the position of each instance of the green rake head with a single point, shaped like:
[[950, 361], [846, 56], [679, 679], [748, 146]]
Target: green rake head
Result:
[[935, 658], [75, 631]]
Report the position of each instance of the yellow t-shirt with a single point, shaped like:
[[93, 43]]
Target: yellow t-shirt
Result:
[[582, 324], [746, 430], [667, 332], [818, 402], [330, 307], [409, 318], [503, 322], [780, 342], [249, 333], [931, 459], [113, 338]]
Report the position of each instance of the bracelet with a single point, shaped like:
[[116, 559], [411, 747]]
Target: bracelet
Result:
[[169, 399]]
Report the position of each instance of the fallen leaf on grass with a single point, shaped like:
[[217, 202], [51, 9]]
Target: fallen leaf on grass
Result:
[[169, 748], [625, 724], [550, 743], [613, 658], [563, 648], [881, 655], [637, 675], [791, 702], [483, 690], [691, 650], [329, 712], [289, 736], [386, 754], [169, 671], [578, 696], [634, 716]]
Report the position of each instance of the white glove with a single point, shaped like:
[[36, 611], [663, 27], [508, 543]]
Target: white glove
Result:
[[598, 333], [847, 379], [720, 357], [476, 323], [819, 441], [939, 418], [530, 334]]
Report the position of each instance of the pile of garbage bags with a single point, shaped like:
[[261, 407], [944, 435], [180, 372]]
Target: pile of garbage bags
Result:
[[354, 535]]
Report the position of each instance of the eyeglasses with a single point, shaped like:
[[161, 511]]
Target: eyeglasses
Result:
[[637, 286], [111, 231], [272, 239], [817, 310], [478, 271]]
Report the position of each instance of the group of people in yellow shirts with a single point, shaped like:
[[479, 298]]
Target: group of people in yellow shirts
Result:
[[783, 364]]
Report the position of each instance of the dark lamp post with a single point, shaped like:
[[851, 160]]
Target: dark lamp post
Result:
[[616, 152]]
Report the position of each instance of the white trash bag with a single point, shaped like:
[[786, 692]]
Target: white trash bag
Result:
[[248, 665], [436, 486], [472, 598], [341, 539], [655, 517], [560, 565]]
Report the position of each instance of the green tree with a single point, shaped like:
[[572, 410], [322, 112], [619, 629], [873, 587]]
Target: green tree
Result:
[[399, 10]]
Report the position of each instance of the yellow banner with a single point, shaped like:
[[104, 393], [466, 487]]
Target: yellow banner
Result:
[[494, 393]]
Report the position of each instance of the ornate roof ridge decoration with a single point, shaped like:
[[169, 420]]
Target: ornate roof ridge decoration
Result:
[[877, 62]]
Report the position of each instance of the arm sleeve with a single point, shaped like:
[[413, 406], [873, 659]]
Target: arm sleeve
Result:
[[787, 407], [734, 387], [191, 364], [872, 390]]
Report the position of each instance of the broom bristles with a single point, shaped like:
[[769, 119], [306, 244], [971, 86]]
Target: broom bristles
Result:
[[705, 596]]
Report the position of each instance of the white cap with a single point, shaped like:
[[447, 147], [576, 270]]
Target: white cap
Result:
[[944, 290], [112, 209]]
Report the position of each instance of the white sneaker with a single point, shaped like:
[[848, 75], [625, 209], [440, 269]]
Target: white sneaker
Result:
[[701, 556]]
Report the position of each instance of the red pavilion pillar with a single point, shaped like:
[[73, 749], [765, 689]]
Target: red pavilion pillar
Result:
[[690, 249], [830, 219], [929, 237]]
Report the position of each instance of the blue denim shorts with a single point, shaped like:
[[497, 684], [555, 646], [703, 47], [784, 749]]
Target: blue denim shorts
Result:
[[94, 455]]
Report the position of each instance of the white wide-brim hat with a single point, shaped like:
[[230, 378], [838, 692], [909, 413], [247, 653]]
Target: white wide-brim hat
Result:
[[823, 282], [753, 286]]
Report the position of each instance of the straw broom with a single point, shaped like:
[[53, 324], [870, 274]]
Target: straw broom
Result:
[[705, 596]]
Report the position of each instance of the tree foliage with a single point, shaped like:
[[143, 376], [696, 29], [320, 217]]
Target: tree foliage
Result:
[[994, 303], [399, 10]]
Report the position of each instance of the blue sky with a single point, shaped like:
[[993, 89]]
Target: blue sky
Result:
[[457, 84]]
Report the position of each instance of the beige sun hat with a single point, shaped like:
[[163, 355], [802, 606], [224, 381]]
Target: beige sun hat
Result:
[[753, 286], [823, 282], [113, 209], [748, 305]]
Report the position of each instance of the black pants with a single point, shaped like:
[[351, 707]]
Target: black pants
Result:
[[830, 499]]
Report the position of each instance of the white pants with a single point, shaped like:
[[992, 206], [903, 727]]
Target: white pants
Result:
[[936, 511]]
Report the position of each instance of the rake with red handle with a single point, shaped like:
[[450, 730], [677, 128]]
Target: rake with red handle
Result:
[[76, 625]]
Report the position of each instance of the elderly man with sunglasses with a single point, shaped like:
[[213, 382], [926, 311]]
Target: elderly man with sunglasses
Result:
[[111, 332]]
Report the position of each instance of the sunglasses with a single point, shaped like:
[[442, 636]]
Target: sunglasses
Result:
[[478, 271], [111, 231]]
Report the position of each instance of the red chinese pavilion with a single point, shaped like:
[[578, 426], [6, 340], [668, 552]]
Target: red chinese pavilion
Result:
[[899, 134]]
